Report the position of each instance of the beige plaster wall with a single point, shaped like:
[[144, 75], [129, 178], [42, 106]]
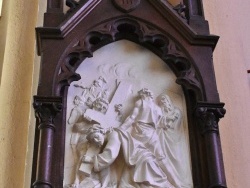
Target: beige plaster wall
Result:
[[3, 30], [230, 20], [17, 57]]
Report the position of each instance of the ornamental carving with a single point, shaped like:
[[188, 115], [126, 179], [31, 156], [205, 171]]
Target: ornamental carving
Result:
[[126, 5], [135, 31], [92, 120], [122, 121], [46, 109], [209, 116]]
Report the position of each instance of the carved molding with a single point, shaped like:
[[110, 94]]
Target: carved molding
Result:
[[126, 5], [180, 9], [72, 4], [46, 109], [42, 184], [71, 21], [139, 32], [209, 115], [67, 39], [189, 79]]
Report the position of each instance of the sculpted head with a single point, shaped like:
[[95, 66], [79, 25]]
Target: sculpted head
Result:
[[100, 105], [145, 92], [77, 100], [165, 102], [96, 135], [99, 82]]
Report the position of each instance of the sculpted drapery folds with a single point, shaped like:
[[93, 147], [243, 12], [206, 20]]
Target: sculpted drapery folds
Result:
[[80, 122], [70, 44], [140, 142], [149, 141], [172, 139]]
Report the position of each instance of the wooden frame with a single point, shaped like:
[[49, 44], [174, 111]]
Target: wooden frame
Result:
[[184, 44]]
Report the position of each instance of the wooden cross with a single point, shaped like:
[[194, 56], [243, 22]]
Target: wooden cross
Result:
[[106, 120]]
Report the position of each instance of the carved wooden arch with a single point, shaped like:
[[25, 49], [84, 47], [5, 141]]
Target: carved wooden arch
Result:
[[136, 31], [187, 53]]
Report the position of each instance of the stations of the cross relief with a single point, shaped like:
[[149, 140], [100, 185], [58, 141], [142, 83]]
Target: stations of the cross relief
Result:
[[122, 133]]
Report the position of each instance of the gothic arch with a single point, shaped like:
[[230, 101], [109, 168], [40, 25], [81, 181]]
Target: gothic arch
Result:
[[66, 40], [142, 33]]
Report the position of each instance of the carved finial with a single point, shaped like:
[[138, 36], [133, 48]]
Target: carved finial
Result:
[[180, 9], [72, 4]]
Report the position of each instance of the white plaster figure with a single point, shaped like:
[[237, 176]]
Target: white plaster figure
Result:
[[100, 105], [149, 140], [141, 167], [120, 135], [141, 148], [85, 176], [171, 136], [90, 94], [103, 171], [118, 110], [81, 122], [80, 125], [144, 120], [107, 116]]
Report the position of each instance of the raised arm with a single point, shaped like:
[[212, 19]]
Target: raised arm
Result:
[[131, 118]]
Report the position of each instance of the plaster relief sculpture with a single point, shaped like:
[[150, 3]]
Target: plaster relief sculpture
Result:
[[171, 135], [122, 136], [145, 143], [140, 143], [141, 153], [102, 163], [81, 122], [144, 120], [91, 109]]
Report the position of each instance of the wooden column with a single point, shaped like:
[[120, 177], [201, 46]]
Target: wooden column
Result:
[[54, 5], [46, 109], [195, 16], [54, 14], [208, 115]]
